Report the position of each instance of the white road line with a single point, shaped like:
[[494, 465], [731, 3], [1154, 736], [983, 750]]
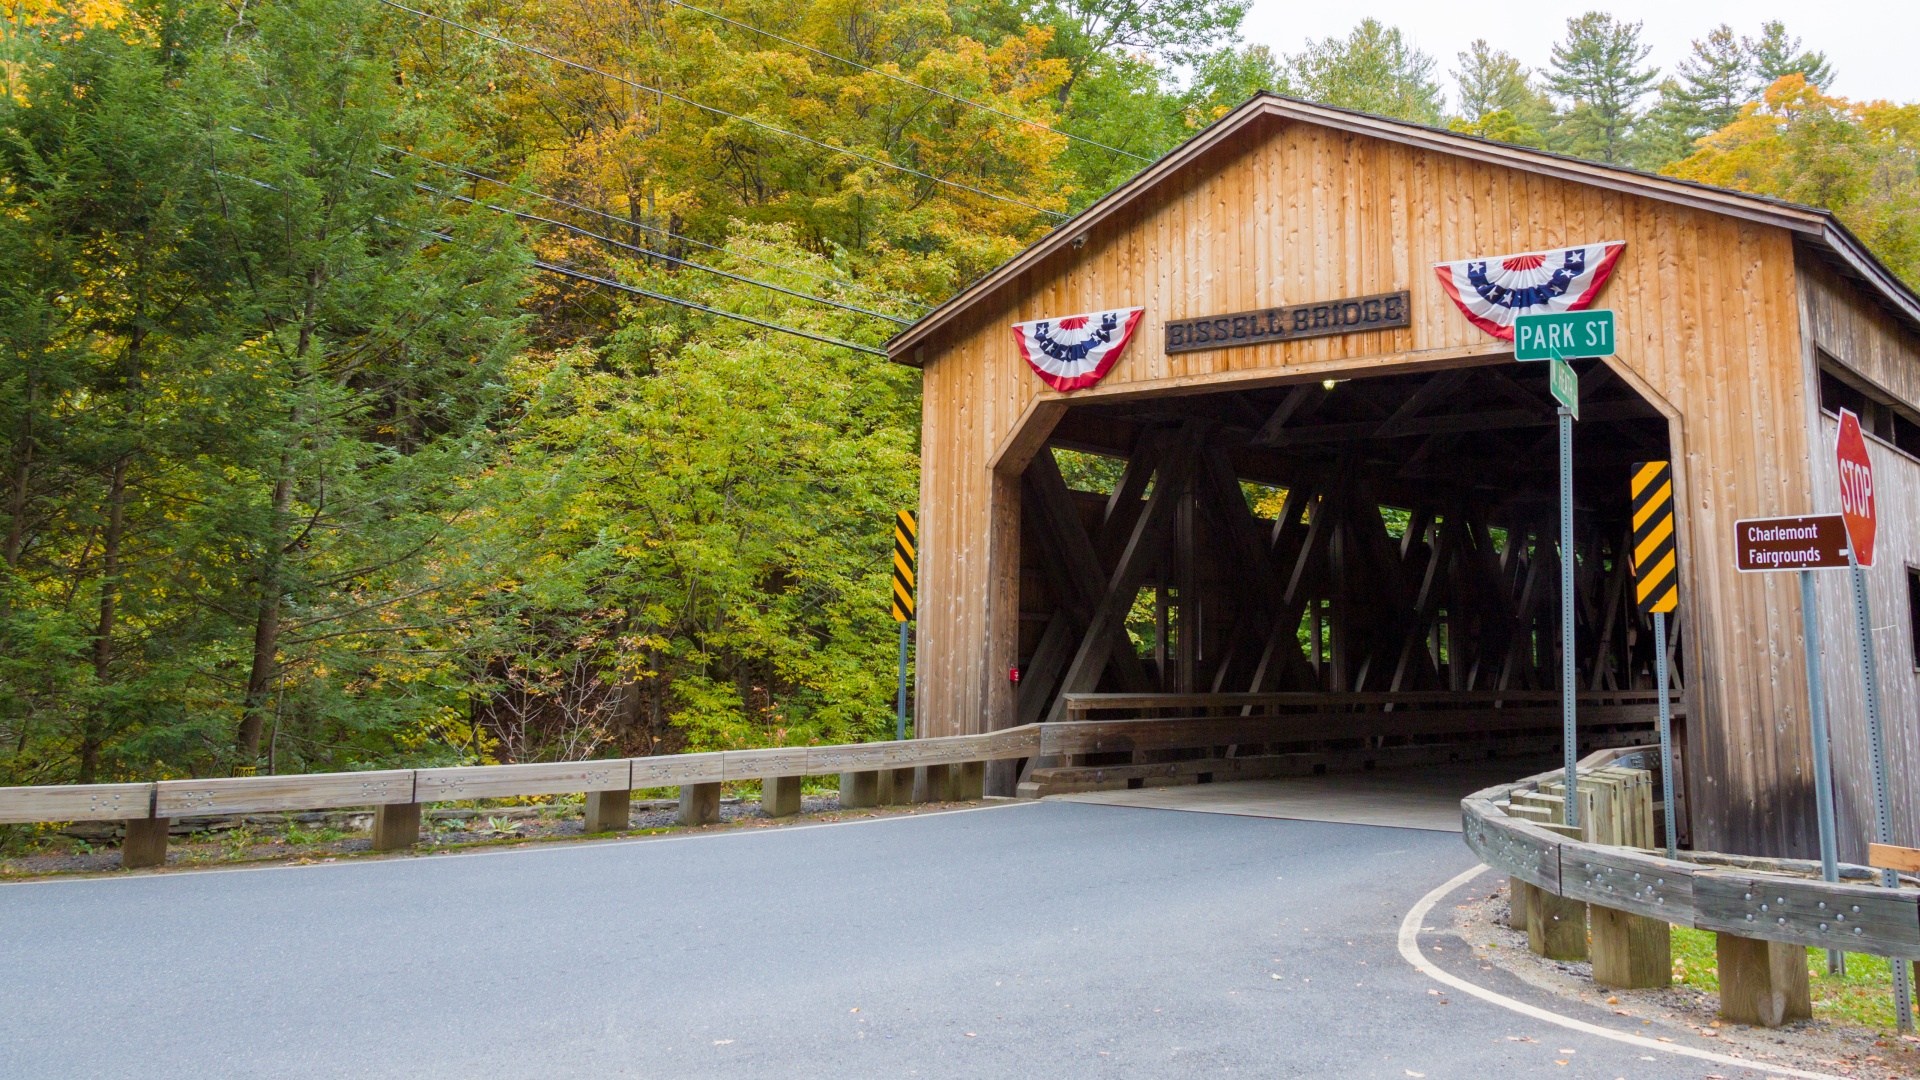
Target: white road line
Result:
[[1410, 951]]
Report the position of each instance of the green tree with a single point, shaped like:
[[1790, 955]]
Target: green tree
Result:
[[1372, 69], [1708, 89], [371, 321], [102, 309], [1600, 71], [1492, 80], [706, 508], [1226, 79], [1774, 55]]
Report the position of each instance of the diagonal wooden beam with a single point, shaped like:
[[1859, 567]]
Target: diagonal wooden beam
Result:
[[1143, 548], [1067, 544], [1435, 391], [1299, 403], [1042, 672]]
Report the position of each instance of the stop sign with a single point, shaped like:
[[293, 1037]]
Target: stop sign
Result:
[[1856, 487]]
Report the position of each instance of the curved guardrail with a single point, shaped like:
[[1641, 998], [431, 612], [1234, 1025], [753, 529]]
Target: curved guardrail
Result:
[[1748, 903]]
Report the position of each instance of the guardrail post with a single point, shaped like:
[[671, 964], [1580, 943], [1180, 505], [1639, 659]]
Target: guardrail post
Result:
[[970, 780], [780, 796], [608, 811], [146, 843], [1556, 926], [932, 783], [396, 826], [896, 786], [1630, 952], [859, 789], [1763, 983], [699, 804], [1519, 900]]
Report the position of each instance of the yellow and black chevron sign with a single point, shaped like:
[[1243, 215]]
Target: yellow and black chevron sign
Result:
[[905, 540], [1656, 579]]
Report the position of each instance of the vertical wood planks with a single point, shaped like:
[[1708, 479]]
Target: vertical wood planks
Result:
[[1292, 212]]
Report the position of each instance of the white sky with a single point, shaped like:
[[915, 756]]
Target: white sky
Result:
[[1870, 43]]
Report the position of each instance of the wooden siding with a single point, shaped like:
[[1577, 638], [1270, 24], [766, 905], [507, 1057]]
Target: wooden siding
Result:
[[1858, 333], [1294, 212]]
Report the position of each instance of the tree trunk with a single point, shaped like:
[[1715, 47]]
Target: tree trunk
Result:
[[266, 630], [20, 481], [93, 735]]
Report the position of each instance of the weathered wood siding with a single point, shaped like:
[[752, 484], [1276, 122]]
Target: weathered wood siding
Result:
[[1859, 334], [1289, 212]]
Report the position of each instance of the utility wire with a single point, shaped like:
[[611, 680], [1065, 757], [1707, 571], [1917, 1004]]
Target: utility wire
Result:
[[554, 268], [617, 219], [564, 271], [909, 82], [576, 65], [524, 216]]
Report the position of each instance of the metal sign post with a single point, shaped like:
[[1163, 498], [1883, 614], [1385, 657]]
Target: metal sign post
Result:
[[1805, 544], [1857, 508], [1569, 691], [904, 537], [1656, 590], [1558, 337]]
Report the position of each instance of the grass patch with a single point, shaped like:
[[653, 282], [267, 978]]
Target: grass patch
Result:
[[1863, 996]]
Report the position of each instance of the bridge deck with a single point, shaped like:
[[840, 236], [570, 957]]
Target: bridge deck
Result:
[[1409, 798]]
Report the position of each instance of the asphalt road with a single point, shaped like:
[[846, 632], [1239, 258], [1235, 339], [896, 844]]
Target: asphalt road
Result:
[[1025, 940]]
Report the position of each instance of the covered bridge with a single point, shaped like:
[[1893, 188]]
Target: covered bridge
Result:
[[1309, 470]]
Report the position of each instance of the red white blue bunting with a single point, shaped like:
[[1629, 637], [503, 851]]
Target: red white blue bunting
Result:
[[1075, 352], [1491, 292]]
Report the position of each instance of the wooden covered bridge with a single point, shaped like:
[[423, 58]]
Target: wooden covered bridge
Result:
[[1294, 459]]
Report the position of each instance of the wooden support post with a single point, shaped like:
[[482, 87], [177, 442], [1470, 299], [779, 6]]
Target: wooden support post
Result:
[[780, 796], [1519, 901], [1763, 983], [932, 783], [608, 811], [1630, 952], [896, 786], [969, 779], [1556, 926], [859, 789], [146, 843], [396, 826], [699, 804]]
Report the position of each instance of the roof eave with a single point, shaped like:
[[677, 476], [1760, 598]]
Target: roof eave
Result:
[[1817, 225]]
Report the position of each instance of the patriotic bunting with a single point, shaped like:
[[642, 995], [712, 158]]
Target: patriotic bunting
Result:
[[1074, 353], [1491, 292]]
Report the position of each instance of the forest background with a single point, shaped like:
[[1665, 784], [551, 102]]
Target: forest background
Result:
[[344, 424]]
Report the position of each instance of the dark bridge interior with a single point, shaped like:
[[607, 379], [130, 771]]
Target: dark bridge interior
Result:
[[1394, 533]]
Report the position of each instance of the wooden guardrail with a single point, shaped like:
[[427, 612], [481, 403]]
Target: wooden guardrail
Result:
[[1634, 895], [397, 794], [1607, 706]]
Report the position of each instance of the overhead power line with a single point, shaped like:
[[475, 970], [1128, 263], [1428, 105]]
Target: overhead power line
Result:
[[743, 279], [909, 82], [565, 271], [656, 230], [554, 268], [589, 69]]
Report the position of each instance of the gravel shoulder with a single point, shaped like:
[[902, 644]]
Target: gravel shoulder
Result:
[[1688, 1012]]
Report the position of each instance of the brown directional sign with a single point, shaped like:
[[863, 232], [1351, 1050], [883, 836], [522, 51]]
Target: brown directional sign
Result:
[[1794, 543]]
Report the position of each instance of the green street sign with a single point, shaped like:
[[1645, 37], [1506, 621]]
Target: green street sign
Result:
[[1565, 385], [1567, 335]]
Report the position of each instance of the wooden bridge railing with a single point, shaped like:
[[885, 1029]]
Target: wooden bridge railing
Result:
[[1625, 898], [1604, 706]]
